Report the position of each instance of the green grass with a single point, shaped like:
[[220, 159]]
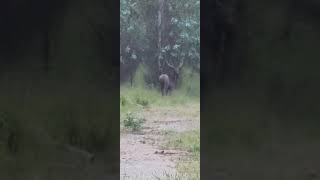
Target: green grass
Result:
[[133, 122], [189, 166], [137, 99], [188, 141], [140, 97], [166, 176], [179, 176]]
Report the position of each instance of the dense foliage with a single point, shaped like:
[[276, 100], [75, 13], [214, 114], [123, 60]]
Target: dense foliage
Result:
[[153, 32]]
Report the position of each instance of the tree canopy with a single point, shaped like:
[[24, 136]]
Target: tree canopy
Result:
[[160, 34]]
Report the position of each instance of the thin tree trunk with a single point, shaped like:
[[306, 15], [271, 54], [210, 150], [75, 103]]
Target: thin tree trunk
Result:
[[160, 13]]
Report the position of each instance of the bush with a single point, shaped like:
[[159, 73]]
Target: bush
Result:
[[132, 122], [141, 101]]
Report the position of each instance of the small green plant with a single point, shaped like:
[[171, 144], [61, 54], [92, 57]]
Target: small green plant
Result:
[[143, 102], [132, 122]]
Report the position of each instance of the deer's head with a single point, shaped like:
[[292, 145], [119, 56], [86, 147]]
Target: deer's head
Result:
[[176, 69]]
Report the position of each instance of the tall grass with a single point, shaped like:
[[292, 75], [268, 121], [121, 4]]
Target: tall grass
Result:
[[190, 85], [189, 141], [141, 95]]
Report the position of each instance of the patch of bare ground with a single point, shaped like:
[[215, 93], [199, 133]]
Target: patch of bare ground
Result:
[[141, 154]]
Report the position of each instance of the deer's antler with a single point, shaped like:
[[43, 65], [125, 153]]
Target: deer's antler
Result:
[[181, 63], [170, 65]]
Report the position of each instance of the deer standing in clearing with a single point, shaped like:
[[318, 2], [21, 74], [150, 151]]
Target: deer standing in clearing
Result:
[[166, 84]]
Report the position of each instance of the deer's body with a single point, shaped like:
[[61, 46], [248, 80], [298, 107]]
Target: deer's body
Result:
[[165, 84]]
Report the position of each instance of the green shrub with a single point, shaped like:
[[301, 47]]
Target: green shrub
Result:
[[132, 122], [142, 101]]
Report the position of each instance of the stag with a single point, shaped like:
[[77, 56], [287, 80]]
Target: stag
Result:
[[176, 70], [165, 84]]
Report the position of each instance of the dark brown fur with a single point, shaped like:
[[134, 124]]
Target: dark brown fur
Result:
[[165, 84]]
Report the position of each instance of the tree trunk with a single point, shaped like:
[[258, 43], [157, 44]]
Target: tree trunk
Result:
[[160, 13]]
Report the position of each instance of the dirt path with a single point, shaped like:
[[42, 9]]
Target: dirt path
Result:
[[141, 154]]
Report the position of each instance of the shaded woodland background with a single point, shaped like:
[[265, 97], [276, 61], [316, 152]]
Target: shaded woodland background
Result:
[[265, 53], [159, 37], [259, 89], [58, 78]]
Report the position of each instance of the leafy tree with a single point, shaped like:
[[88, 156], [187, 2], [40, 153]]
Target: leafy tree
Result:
[[162, 34]]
